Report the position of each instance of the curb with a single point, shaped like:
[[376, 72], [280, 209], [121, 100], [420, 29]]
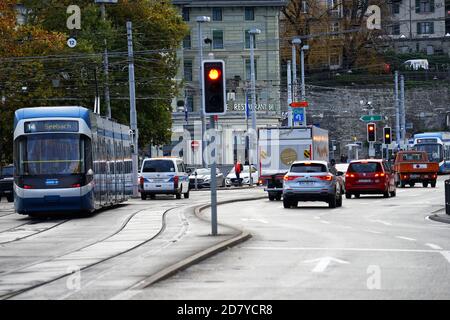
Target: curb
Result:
[[444, 218], [202, 255]]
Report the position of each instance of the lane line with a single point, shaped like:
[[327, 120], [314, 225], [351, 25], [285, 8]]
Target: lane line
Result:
[[345, 249], [372, 231], [324, 221], [446, 254], [405, 238], [433, 246], [383, 222]]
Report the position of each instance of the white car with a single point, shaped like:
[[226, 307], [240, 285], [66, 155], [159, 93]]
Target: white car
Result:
[[231, 179], [163, 176]]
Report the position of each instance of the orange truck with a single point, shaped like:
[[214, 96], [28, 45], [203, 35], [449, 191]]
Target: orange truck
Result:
[[413, 166]]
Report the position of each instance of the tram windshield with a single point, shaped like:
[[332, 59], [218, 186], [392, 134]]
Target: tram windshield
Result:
[[434, 151], [43, 154]]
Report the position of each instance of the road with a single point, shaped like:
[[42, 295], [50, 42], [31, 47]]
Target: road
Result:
[[371, 248]]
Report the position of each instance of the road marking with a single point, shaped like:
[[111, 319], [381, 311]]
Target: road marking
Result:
[[405, 238], [322, 263], [257, 220], [126, 295], [446, 254], [344, 249], [326, 222], [433, 246], [347, 227], [383, 222], [317, 218], [372, 231]]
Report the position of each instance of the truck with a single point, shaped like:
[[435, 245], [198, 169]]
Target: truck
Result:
[[279, 147], [413, 167]]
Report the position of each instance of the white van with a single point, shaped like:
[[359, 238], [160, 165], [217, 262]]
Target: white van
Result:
[[416, 64], [163, 176]]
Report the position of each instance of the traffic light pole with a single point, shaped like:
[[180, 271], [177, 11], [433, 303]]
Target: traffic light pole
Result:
[[213, 187]]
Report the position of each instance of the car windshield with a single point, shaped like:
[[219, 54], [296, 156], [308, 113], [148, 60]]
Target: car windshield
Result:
[[412, 156], [158, 166], [203, 171], [364, 167], [7, 171], [308, 167]]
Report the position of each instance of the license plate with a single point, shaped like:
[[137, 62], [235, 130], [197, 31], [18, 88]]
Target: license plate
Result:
[[414, 176], [306, 182], [365, 180]]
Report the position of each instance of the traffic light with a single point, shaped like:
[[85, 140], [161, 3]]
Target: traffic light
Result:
[[387, 135], [371, 132], [214, 87]]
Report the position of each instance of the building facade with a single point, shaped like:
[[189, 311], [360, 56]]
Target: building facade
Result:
[[226, 37]]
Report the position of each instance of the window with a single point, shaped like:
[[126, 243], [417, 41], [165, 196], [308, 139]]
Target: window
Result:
[[395, 29], [190, 103], [308, 168], [158, 166], [425, 27], [217, 39], [249, 13], [187, 42], [217, 14], [305, 6], [185, 14], [424, 6], [395, 8], [247, 40], [188, 70], [248, 70]]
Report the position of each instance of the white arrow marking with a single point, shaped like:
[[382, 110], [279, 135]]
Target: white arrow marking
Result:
[[323, 263], [257, 220]]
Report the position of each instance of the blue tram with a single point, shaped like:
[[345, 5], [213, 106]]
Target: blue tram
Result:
[[69, 159], [437, 145]]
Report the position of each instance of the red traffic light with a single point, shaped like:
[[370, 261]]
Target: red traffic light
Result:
[[371, 128], [214, 74], [371, 132]]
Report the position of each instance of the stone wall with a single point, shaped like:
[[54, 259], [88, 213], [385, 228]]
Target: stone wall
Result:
[[339, 110]]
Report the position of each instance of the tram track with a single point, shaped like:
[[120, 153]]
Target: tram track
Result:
[[17, 233], [63, 257]]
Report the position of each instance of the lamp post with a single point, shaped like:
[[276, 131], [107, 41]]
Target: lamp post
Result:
[[200, 20], [295, 41], [302, 61], [253, 32]]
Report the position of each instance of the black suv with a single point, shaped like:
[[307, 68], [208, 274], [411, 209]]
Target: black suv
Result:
[[6, 182]]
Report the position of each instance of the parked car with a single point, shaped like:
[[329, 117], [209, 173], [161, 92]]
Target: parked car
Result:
[[203, 176], [231, 179], [372, 176], [163, 176], [6, 183], [312, 181]]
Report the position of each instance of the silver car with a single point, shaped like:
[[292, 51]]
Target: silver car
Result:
[[312, 181]]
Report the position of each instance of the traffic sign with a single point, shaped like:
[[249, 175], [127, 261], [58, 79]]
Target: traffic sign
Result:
[[299, 104], [195, 144], [298, 115], [369, 118], [72, 42]]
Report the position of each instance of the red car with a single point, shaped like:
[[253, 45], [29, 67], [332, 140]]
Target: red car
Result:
[[372, 176]]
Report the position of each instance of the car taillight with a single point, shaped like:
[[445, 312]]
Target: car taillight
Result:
[[76, 185], [260, 181], [175, 182], [324, 178], [405, 176], [290, 178], [27, 187], [349, 175], [381, 174], [434, 176]]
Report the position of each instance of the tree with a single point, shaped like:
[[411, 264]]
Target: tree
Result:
[[157, 32]]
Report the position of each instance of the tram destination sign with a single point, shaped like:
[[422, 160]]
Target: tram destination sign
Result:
[[51, 126]]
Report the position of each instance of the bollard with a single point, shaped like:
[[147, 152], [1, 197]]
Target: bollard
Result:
[[447, 196]]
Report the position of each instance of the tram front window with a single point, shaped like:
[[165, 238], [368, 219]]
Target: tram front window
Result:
[[434, 151], [49, 154]]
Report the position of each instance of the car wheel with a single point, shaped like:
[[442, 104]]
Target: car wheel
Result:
[[433, 184], [271, 197], [425, 184], [10, 198], [348, 195], [332, 202], [286, 203], [143, 196]]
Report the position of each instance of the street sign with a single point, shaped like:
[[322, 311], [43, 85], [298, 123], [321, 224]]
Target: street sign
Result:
[[195, 144], [72, 42], [370, 118], [298, 115], [299, 104]]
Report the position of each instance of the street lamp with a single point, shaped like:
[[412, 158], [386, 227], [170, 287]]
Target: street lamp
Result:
[[200, 20], [295, 41]]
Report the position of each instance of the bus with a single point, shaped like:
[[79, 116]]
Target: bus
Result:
[[69, 159], [437, 145]]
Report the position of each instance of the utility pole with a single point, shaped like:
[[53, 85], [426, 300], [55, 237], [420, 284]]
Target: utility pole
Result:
[[106, 66], [295, 41], [397, 111], [133, 117], [289, 94], [253, 32], [403, 111], [200, 20]]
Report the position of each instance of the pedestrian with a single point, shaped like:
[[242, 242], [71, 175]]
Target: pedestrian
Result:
[[237, 171]]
